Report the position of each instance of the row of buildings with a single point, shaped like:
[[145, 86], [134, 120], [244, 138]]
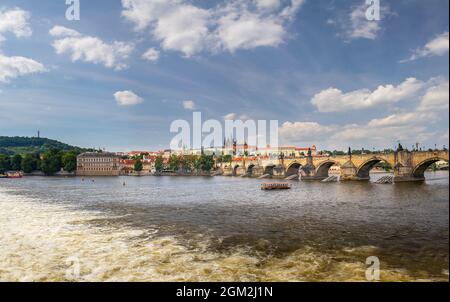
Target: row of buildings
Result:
[[115, 164]]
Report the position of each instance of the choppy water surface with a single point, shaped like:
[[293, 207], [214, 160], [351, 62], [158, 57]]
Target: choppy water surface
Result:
[[220, 229]]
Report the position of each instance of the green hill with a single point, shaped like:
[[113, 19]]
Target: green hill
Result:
[[24, 145]]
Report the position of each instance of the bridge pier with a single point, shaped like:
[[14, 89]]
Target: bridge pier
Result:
[[309, 172], [278, 172], [257, 171], [349, 172], [404, 169]]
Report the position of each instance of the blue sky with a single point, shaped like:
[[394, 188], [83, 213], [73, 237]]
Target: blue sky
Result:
[[330, 76]]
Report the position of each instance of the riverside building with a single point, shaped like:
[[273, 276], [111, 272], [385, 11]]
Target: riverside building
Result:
[[98, 164]]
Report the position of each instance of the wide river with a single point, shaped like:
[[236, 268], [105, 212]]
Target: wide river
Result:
[[221, 229]]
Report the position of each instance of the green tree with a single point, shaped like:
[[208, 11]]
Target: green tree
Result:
[[29, 163], [227, 158], [51, 162], [197, 164], [385, 166], [184, 164], [69, 161], [174, 162], [159, 164], [206, 162], [16, 162], [138, 166], [5, 164]]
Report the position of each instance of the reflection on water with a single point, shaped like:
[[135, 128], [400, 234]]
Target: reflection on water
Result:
[[226, 229]]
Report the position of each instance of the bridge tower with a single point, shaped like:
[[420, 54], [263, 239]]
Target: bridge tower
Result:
[[308, 171], [348, 169]]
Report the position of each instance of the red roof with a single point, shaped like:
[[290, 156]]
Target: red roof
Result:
[[127, 161]]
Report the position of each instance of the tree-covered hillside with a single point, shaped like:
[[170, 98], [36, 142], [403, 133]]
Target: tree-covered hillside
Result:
[[24, 145]]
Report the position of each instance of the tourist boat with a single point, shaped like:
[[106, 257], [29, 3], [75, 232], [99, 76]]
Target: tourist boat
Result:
[[3, 176], [13, 175], [275, 186]]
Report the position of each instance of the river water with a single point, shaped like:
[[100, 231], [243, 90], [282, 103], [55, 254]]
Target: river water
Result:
[[221, 229]]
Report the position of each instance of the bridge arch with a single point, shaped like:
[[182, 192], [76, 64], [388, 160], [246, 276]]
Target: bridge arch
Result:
[[250, 169], [364, 169], [324, 167], [293, 169], [269, 169], [419, 169], [235, 169]]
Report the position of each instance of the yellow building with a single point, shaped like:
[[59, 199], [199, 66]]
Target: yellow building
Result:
[[98, 164]]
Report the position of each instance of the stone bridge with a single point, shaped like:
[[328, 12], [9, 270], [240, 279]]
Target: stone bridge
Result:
[[407, 165]]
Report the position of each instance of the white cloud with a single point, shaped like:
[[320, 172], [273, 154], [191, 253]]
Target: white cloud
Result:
[[298, 132], [90, 49], [267, 4], [436, 47], [436, 98], [334, 100], [237, 24], [434, 102], [358, 136], [151, 55], [417, 125], [355, 24], [16, 22], [189, 105], [248, 31], [61, 31], [291, 10], [340, 137], [360, 26], [401, 119], [143, 12], [242, 27], [184, 28], [230, 116], [127, 98], [175, 24], [422, 124], [13, 67]]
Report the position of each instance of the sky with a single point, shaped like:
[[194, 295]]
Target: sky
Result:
[[120, 75]]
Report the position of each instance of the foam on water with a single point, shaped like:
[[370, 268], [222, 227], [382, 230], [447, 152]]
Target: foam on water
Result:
[[49, 242]]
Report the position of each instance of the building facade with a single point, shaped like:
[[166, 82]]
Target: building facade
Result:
[[127, 166], [98, 164]]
